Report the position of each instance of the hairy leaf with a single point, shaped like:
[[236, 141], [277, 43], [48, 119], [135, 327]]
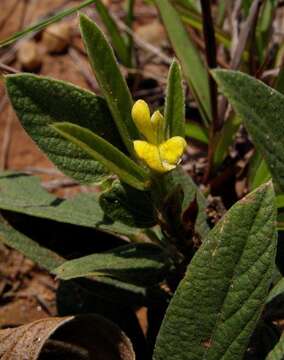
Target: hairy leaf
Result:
[[40, 101], [23, 194], [217, 304], [110, 79], [30, 248], [140, 264], [261, 109], [175, 107], [104, 152]]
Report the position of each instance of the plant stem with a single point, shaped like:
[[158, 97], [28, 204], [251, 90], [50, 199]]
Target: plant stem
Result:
[[211, 57]]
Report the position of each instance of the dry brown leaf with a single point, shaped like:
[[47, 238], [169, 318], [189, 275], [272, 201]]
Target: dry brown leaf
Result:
[[73, 337]]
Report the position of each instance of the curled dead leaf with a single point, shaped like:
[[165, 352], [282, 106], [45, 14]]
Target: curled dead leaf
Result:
[[73, 337]]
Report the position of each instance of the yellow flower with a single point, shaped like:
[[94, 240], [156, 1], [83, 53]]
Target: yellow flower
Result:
[[159, 154]]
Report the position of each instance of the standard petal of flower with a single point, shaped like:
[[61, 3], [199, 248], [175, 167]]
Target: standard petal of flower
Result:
[[149, 153], [171, 150], [141, 117]]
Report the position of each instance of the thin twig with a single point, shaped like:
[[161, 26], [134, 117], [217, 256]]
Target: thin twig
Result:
[[10, 55], [146, 73], [40, 170], [8, 69], [235, 25], [11, 11], [200, 44], [83, 68], [142, 43], [242, 41], [245, 33], [6, 138], [59, 183]]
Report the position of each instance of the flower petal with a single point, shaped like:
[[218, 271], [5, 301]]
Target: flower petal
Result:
[[171, 150], [149, 153], [141, 117]]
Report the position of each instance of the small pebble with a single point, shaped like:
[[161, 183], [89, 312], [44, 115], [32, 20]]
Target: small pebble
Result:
[[29, 55], [56, 37]]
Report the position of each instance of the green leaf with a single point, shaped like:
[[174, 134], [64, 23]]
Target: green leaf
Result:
[[279, 86], [258, 172], [219, 301], [193, 68], [44, 23], [277, 290], [40, 101], [196, 131], [120, 291], [15, 239], [193, 5], [129, 206], [175, 107], [264, 28], [280, 201], [194, 20], [277, 353], [140, 264], [117, 40], [104, 152], [23, 194], [225, 139], [113, 85], [261, 109]]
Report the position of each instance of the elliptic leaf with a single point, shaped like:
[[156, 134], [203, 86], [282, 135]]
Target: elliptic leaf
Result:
[[110, 79], [23, 194], [104, 152], [30, 248], [175, 107], [140, 264], [40, 101], [217, 304]]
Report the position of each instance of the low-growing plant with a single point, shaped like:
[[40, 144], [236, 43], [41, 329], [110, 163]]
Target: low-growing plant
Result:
[[210, 293]]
